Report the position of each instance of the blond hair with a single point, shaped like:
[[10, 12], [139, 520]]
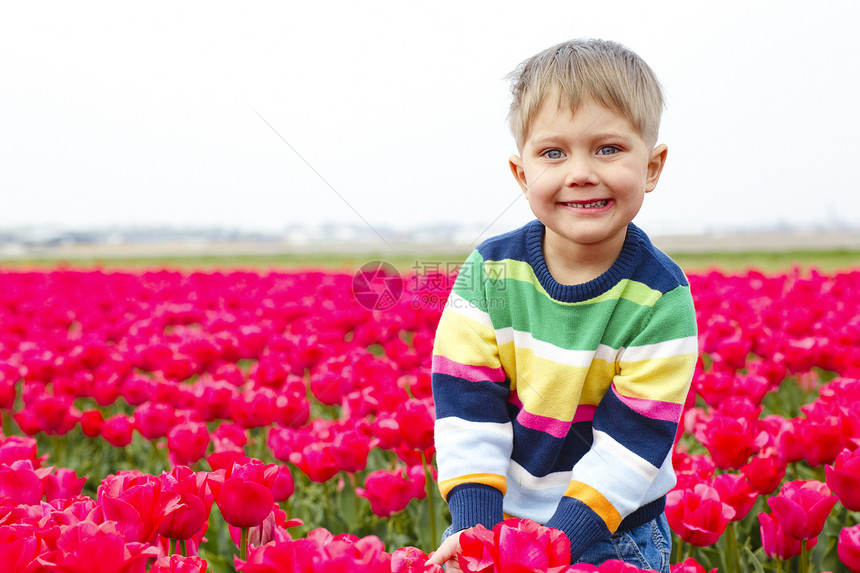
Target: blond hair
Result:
[[578, 70]]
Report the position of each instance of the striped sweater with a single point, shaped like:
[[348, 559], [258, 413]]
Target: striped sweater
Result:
[[560, 403]]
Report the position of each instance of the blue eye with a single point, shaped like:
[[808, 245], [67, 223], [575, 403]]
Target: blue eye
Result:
[[553, 154], [608, 150]]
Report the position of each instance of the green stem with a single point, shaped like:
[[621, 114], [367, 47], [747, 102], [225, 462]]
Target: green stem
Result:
[[733, 549], [679, 550], [330, 492], [55, 449], [779, 566], [352, 480], [389, 527], [153, 453], [820, 474], [430, 485], [184, 544], [260, 445], [243, 547], [804, 557], [7, 423], [171, 547]]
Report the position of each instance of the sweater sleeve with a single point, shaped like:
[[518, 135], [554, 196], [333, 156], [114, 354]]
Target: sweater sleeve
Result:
[[473, 430], [630, 462]]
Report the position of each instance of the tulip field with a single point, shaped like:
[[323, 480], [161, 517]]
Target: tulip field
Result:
[[259, 421]]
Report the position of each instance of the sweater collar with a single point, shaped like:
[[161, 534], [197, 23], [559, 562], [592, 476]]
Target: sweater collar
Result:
[[622, 267]]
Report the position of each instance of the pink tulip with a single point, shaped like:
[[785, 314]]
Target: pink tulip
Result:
[[138, 503], [822, 438], [86, 546], [735, 490], [229, 436], [412, 560], [20, 547], [91, 423], [764, 473], [347, 552], [801, 507], [273, 528], [729, 440], [22, 482], [283, 485], [186, 520], [689, 565], [14, 448], [245, 498], [280, 557], [117, 430], [213, 397], [317, 461], [848, 547], [514, 545], [843, 478], [292, 408], [788, 443], [154, 420], [525, 545], [53, 415], [388, 491], [179, 564], [699, 516], [254, 408], [187, 442], [9, 377], [63, 484], [350, 449], [775, 540], [194, 489], [415, 419]]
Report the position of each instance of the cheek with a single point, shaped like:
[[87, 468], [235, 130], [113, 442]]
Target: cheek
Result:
[[542, 182], [630, 179]]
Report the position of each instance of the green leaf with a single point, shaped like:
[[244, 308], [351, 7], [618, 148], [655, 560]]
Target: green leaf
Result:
[[753, 560]]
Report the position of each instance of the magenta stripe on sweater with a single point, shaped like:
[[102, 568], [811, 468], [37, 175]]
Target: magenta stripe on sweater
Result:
[[654, 409], [444, 365], [584, 413], [551, 426], [514, 399]]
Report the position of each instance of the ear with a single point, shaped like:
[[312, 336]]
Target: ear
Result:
[[516, 165], [656, 161]]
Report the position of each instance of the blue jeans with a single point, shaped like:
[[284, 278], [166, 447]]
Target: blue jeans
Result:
[[649, 546]]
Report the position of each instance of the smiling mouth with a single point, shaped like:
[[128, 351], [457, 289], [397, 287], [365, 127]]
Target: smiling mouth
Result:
[[587, 205]]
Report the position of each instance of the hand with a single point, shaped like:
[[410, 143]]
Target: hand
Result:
[[446, 555]]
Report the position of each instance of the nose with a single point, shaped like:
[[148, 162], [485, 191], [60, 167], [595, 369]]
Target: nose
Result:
[[580, 172]]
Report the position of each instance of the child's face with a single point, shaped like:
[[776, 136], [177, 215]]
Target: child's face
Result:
[[585, 175]]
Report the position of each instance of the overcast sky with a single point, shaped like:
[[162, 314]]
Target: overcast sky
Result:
[[263, 115]]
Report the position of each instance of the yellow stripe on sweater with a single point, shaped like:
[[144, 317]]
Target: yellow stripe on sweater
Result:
[[647, 378], [549, 389], [466, 341], [493, 480], [596, 501]]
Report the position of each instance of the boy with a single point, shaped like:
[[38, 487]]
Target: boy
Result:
[[566, 349]]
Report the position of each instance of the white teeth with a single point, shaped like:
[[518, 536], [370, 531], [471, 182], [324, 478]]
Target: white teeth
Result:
[[590, 205]]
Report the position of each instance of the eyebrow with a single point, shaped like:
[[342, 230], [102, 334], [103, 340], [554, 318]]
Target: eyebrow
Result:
[[552, 139]]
